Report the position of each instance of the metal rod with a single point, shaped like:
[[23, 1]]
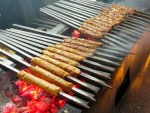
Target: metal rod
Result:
[[79, 91], [70, 98], [111, 51], [109, 56], [35, 30], [14, 58], [137, 24], [36, 35], [15, 49], [118, 49], [9, 67], [53, 42], [67, 13], [29, 41], [36, 54], [58, 18], [89, 5], [78, 11], [127, 30], [47, 22], [94, 3], [116, 41], [125, 36], [70, 78], [114, 28], [65, 17], [91, 78], [135, 28], [141, 17], [42, 25], [84, 61], [79, 7], [19, 46], [82, 18], [95, 73], [41, 44], [140, 22], [74, 99], [91, 62], [144, 13], [118, 38]]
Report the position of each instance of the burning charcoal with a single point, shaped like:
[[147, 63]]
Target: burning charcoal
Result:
[[76, 33], [23, 110], [15, 99], [9, 93], [10, 108]]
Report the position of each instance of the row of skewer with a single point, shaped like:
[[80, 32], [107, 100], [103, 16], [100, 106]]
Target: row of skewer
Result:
[[61, 60], [77, 13]]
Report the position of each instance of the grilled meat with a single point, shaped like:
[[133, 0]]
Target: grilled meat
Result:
[[50, 88]]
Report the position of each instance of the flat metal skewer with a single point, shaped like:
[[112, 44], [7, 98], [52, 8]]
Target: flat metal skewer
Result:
[[89, 9], [116, 41], [132, 16], [68, 77], [65, 95], [65, 20], [79, 91], [43, 34], [91, 5], [110, 56], [47, 44]]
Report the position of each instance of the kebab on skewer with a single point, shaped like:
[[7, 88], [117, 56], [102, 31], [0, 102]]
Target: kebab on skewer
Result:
[[44, 85], [70, 78], [49, 77]]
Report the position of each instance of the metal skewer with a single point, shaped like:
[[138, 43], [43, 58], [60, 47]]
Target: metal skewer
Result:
[[94, 2], [97, 11], [78, 24], [72, 79], [79, 91], [44, 34], [80, 7], [132, 16], [68, 77], [110, 56], [42, 46], [80, 11], [98, 6], [70, 98], [116, 41], [81, 18]]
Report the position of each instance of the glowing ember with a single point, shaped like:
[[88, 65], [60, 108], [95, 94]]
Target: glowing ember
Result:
[[35, 100], [32, 99], [76, 33]]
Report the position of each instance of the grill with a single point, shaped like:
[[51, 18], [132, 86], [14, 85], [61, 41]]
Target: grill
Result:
[[97, 70]]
